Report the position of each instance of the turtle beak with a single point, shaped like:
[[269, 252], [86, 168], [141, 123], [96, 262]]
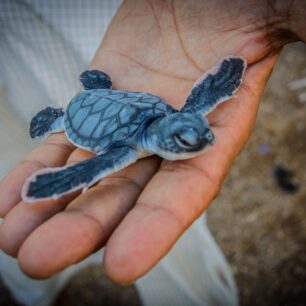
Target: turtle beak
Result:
[[210, 137]]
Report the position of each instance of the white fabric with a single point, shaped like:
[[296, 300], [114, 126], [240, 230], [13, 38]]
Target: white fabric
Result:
[[32, 292], [194, 272], [44, 47]]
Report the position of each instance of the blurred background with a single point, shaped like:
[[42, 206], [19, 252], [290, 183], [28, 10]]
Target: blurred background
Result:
[[259, 219]]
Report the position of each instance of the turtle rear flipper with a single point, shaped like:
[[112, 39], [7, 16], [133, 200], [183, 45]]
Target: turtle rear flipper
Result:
[[216, 86], [48, 120], [51, 183], [95, 79]]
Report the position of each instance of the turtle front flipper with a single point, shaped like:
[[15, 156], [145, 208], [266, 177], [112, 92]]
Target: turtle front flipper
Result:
[[51, 183], [216, 86], [95, 79], [48, 120]]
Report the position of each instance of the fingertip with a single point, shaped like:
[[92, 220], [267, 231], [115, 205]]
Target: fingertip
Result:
[[11, 234], [117, 272], [10, 188], [123, 259], [29, 265], [38, 258], [12, 185], [53, 153], [7, 245], [65, 239], [141, 240]]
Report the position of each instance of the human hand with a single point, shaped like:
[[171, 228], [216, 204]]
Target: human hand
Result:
[[139, 212]]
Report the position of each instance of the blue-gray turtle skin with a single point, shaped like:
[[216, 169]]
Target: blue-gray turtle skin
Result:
[[123, 126], [98, 118]]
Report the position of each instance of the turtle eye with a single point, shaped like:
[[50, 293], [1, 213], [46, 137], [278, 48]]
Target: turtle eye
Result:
[[187, 138]]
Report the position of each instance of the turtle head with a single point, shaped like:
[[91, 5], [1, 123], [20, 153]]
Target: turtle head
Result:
[[179, 136]]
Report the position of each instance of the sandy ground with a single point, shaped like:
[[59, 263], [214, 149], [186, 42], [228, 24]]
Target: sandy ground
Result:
[[260, 227]]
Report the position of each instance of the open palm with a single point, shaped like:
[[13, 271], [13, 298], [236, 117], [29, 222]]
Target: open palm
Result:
[[138, 213]]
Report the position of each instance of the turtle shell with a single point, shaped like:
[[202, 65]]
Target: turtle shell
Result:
[[94, 119]]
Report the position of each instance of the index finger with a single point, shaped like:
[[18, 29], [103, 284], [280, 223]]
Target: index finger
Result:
[[54, 152]]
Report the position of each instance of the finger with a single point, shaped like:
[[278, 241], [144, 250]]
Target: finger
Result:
[[54, 152], [175, 197], [87, 222], [23, 218]]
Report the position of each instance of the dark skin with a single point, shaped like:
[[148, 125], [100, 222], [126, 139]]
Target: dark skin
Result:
[[160, 47]]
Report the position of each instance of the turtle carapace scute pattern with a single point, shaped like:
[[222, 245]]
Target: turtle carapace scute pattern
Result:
[[98, 118], [121, 127]]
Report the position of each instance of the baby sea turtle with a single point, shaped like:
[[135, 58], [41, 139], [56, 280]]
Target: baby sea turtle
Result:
[[123, 126]]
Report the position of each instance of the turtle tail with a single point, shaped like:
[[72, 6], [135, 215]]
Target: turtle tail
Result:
[[48, 120]]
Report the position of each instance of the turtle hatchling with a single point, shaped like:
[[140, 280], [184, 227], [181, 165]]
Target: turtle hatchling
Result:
[[121, 127]]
